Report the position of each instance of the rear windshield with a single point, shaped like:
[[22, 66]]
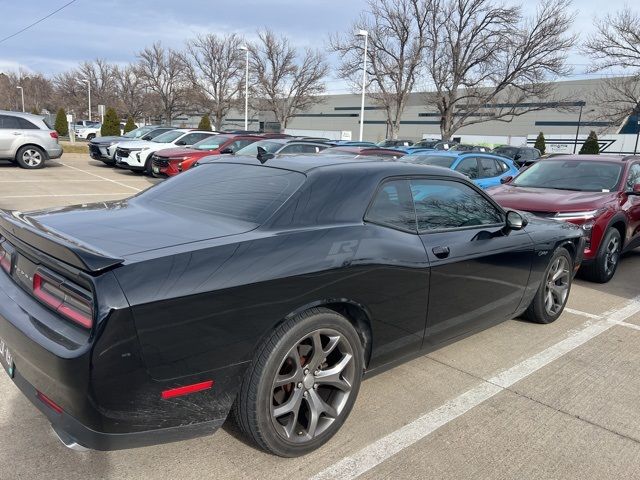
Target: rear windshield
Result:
[[436, 160], [247, 193], [46, 122]]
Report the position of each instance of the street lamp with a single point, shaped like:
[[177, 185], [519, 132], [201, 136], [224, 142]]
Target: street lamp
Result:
[[365, 34], [22, 95], [575, 142], [635, 148], [88, 82], [246, 89]]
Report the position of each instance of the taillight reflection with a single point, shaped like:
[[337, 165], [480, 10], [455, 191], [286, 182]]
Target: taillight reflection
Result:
[[5, 260], [63, 300]]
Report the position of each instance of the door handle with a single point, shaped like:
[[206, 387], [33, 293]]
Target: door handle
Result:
[[441, 252], [16, 133]]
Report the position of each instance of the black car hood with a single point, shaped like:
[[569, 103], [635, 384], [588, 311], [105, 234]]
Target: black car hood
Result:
[[128, 227]]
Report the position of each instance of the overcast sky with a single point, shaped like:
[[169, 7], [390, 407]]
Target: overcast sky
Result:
[[116, 29]]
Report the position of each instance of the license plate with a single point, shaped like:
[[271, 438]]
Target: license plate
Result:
[[155, 169], [6, 359]]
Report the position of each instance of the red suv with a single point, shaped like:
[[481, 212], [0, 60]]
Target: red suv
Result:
[[600, 193], [172, 161]]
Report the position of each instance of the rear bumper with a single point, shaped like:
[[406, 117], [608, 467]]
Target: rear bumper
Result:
[[72, 432], [53, 153]]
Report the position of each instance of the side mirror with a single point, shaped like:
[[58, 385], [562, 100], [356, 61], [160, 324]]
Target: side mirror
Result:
[[263, 155], [226, 150], [515, 221], [181, 142], [506, 179]]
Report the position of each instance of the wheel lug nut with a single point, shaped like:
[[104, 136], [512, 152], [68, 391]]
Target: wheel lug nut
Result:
[[315, 387], [300, 385], [316, 372], [306, 371], [304, 394]]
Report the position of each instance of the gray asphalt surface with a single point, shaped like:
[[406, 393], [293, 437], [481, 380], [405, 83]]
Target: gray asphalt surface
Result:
[[517, 401]]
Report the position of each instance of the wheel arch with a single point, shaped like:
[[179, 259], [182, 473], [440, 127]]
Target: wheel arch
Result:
[[31, 144], [356, 313], [619, 223]]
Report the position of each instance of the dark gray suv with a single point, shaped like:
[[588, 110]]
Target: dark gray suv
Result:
[[27, 139]]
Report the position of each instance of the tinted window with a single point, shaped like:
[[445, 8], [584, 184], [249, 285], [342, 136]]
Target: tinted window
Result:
[[442, 204], [468, 167], [300, 148], [634, 176], [7, 121], [502, 166], [587, 175], [192, 138], [252, 149], [245, 193], [489, 167], [26, 124], [168, 137], [392, 206], [212, 142]]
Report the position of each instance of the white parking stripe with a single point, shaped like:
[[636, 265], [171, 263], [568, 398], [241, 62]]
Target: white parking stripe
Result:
[[65, 195], [101, 177], [50, 181], [581, 313], [384, 448], [628, 325]]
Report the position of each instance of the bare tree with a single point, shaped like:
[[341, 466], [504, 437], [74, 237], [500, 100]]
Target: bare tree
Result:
[[101, 75], [616, 44], [70, 92], [395, 53], [131, 91], [216, 70], [164, 72], [285, 82], [487, 62]]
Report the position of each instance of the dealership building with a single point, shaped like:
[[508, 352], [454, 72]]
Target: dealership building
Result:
[[338, 117]]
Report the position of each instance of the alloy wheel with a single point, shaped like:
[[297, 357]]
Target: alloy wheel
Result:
[[32, 157], [312, 385], [557, 286], [612, 255]]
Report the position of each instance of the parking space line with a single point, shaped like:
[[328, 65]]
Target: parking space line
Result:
[[48, 181], [583, 314], [65, 195], [379, 451], [103, 178], [626, 324]]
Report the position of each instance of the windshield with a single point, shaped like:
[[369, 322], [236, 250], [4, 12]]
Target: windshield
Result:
[[210, 143], [584, 176], [138, 132], [436, 160], [252, 149], [168, 137], [427, 143]]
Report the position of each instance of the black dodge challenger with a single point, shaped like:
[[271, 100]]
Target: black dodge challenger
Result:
[[266, 290]]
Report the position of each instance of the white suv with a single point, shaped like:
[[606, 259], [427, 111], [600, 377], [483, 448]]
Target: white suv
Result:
[[27, 139], [136, 155]]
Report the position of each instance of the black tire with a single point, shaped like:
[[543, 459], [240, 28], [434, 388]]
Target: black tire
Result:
[[31, 157], [260, 399], [605, 264], [538, 310], [90, 137]]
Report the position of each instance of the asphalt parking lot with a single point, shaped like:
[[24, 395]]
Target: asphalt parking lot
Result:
[[517, 401]]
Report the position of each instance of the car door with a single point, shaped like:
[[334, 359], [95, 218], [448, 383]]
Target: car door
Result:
[[468, 166], [479, 269], [631, 206], [10, 135]]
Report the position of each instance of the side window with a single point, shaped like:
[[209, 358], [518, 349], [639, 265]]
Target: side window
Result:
[[634, 176], [290, 149], [469, 167], [26, 124], [309, 149], [392, 206], [444, 204], [503, 167], [192, 138], [489, 167], [7, 121], [238, 144]]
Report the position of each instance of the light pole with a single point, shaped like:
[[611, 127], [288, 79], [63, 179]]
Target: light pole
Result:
[[635, 148], [22, 95], [246, 89], [575, 142], [88, 82], [365, 34]]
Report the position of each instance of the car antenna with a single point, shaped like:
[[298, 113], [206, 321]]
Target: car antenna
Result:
[[263, 155]]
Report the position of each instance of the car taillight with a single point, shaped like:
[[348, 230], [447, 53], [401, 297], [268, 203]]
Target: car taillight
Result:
[[54, 135], [60, 297], [5, 260]]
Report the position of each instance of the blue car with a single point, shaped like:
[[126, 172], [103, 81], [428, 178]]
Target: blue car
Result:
[[484, 169]]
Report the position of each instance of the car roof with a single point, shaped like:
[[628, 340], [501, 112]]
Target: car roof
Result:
[[595, 158], [21, 114], [308, 163]]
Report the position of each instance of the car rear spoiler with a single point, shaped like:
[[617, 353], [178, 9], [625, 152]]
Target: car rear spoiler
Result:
[[68, 250]]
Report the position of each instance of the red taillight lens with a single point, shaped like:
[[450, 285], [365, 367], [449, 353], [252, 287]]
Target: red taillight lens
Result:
[[63, 300], [48, 402], [54, 135], [187, 389], [5, 260]]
